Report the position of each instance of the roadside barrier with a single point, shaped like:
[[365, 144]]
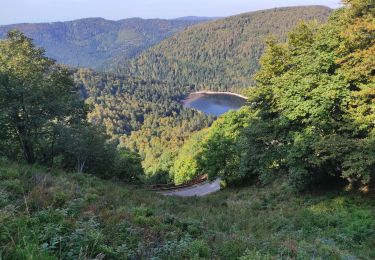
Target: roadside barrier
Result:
[[171, 186]]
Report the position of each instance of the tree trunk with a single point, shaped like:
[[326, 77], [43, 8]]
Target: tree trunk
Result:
[[28, 150], [51, 152], [80, 165], [23, 135]]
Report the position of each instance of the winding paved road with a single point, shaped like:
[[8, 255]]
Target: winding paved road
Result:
[[196, 190]]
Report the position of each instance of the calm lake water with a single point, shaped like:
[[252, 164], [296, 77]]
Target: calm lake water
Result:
[[214, 104]]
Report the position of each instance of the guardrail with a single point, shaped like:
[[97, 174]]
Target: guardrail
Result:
[[171, 186]]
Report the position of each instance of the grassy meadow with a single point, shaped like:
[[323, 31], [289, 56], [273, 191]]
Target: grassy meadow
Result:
[[49, 214]]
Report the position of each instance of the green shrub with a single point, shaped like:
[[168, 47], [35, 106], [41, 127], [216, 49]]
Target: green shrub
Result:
[[185, 166], [86, 241], [191, 226], [12, 186], [185, 248], [232, 249], [142, 211], [255, 255], [4, 198], [199, 249], [127, 166]]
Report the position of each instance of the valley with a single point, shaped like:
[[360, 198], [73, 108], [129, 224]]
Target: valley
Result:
[[99, 43], [275, 108], [220, 55], [158, 131]]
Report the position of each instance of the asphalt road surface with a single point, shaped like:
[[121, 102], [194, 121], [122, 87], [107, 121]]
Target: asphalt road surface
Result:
[[198, 190]]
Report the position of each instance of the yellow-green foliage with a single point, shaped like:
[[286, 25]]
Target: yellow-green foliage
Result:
[[313, 111], [186, 167], [214, 150], [220, 155], [146, 117], [316, 109]]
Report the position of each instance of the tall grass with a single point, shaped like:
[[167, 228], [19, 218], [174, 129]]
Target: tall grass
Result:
[[49, 214]]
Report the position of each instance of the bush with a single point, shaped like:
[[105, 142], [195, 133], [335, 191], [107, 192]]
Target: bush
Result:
[[255, 255], [199, 249], [311, 115], [186, 167], [127, 166], [232, 249]]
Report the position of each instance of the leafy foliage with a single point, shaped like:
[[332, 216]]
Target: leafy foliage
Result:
[[43, 119], [313, 115], [28, 82], [185, 166], [315, 106], [152, 121], [219, 154]]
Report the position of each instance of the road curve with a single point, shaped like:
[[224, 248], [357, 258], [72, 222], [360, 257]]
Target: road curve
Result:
[[198, 190]]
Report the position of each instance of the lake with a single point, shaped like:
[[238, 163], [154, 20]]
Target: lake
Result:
[[214, 103]]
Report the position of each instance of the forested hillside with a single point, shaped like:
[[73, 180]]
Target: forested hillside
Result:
[[143, 111], [222, 54], [43, 119], [297, 164], [99, 43], [145, 116], [311, 113]]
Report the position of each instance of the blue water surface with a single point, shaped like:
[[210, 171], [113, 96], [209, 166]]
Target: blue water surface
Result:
[[214, 104]]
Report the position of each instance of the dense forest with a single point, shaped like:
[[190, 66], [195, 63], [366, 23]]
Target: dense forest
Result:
[[152, 122], [142, 113], [146, 117], [311, 114], [99, 43], [297, 162], [222, 54], [43, 119], [297, 123]]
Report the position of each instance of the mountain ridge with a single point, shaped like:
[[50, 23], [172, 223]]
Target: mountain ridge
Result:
[[96, 42], [220, 54]]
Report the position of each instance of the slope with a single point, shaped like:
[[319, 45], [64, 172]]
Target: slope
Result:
[[96, 42], [220, 54], [50, 214]]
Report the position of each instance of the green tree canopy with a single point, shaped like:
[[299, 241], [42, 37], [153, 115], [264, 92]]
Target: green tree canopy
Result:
[[312, 117], [35, 93], [315, 97]]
